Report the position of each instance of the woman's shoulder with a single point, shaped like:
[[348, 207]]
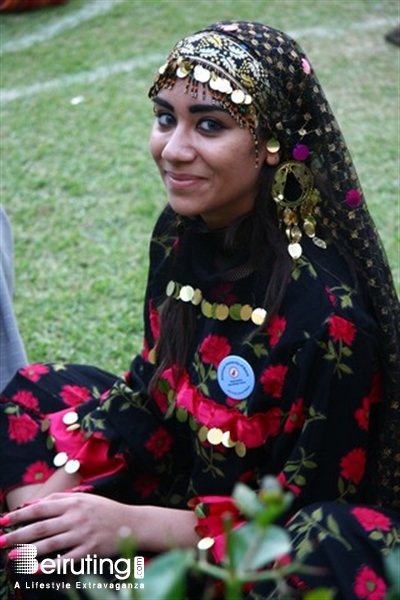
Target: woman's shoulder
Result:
[[324, 284]]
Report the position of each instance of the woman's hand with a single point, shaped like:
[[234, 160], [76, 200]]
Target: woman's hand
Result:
[[77, 524], [73, 524]]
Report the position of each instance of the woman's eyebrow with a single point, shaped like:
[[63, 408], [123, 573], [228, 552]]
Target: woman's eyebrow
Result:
[[194, 108]]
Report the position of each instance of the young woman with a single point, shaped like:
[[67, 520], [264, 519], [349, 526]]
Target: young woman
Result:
[[271, 333]]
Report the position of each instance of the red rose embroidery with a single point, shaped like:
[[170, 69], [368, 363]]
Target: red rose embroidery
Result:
[[362, 414], [371, 519], [145, 484], [22, 429], [214, 349], [341, 330], [27, 399], [74, 395], [34, 372], [273, 380], [159, 443], [276, 328], [296, 417], [353, 465], [369, 586], [38, 472]]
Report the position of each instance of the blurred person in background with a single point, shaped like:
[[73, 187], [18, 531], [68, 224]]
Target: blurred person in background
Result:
[[22, 5], [12, 351]]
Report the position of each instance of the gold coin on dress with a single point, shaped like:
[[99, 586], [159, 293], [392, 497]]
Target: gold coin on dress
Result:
[[197, 297], [245, 312], [203, 433], [240, 449], [186, 294], [258, 316], [222, 312], [45, 425], [295, 250], [60, 459], [227, 441], [206, 543], [72, 466], [234, 311], [73, 427], [170, 290], [206, 309], [70, 417], [214, 436]]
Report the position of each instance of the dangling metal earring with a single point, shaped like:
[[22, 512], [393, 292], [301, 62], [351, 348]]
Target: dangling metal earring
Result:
[[273, 146], [294, 192]]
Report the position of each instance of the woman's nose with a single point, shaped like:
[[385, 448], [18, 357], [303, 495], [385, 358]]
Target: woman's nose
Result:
[[179, 146]]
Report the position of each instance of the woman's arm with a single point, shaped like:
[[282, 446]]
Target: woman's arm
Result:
[[79, 524], [57, 482]]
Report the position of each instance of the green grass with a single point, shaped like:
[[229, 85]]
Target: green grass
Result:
[[77, 180]]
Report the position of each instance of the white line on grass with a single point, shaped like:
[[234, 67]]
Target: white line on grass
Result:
[[154, 59], [87, 12], [84, 77]]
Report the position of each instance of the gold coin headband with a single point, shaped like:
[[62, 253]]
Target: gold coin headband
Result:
[[234, 77]]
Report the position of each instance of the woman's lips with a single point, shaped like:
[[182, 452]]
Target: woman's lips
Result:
[[182, 181]]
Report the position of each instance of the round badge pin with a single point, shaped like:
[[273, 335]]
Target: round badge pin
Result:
[[236, 377]]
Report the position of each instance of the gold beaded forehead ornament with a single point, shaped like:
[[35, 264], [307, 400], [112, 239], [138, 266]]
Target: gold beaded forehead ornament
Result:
[[232, 75]]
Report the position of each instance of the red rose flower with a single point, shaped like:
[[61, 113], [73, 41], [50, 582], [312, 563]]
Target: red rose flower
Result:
[[27, 399], [37, 472], [159, 443], [369, 586], [22, 429], [353, 465], [362, 414], [273, 380], [276, 328], [371, 519], [296, 417], [145, 484], [34, 372], [214, 349], [341, 330], [74, 395]]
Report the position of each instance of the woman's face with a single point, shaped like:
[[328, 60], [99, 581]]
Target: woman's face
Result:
[[206, 160]]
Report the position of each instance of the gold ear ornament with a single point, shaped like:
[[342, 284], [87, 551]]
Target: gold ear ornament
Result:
[[296, 197]]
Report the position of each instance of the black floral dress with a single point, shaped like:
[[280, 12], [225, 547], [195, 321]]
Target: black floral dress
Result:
[[298, 399]]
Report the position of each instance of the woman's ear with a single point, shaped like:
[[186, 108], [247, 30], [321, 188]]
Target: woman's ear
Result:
[[272, 158]]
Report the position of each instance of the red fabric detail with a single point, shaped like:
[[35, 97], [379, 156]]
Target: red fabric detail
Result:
[[212, 525], [92, 453], [252, 431]]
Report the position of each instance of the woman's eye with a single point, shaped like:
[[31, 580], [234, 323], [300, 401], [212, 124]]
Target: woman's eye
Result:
[[165, 119], [210, 125]]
